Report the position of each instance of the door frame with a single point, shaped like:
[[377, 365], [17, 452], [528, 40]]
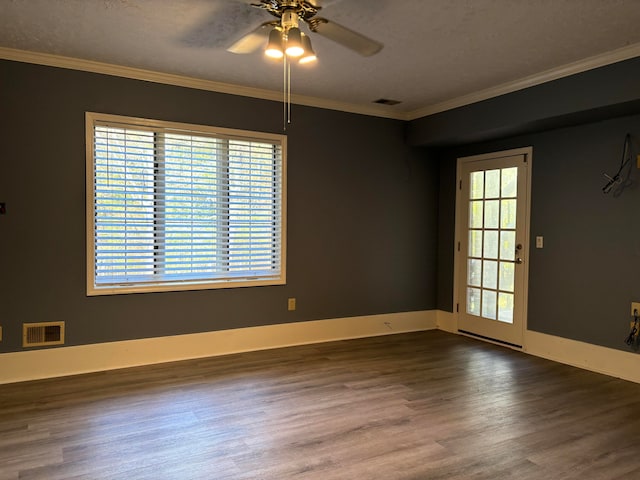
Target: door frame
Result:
[[461, 227]]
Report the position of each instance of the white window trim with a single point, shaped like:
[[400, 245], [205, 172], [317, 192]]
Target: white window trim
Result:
[[92, 289]]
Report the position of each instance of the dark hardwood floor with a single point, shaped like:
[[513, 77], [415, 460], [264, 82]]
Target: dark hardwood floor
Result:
[[427, 405]]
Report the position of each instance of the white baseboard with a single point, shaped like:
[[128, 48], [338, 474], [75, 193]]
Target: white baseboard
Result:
[[446, 321], [609, 361], [57, 362]]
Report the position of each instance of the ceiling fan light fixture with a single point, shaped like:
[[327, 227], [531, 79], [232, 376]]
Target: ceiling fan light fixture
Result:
[[294, 43], [287, 42], [309, 55], [274, 47]]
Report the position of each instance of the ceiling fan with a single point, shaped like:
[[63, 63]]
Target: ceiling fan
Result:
[[283, 34]]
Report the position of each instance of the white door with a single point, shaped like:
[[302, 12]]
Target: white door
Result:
[[492, 247]]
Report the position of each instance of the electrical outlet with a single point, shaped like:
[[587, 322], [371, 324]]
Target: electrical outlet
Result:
[[635, 306], [291, 304]]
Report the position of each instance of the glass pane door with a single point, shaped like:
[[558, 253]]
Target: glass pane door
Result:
[[492, 243], [492, 232]]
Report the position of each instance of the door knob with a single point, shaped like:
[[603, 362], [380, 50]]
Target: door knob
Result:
[[518, 250]]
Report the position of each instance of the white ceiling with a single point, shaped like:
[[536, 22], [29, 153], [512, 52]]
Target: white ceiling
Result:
[[436, 52]]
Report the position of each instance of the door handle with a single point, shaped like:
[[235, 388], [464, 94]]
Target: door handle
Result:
[[518, 250]]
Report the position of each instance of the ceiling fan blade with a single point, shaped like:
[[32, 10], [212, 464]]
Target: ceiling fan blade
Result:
[[344, 36], [253, 40], [220, 26]]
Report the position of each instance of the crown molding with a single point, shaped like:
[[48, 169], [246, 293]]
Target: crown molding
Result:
[[608, 58], [190, 82]]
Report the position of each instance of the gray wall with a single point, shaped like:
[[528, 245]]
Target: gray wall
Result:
[[594, 95], [371, 206], [582, 282], [362, 212]]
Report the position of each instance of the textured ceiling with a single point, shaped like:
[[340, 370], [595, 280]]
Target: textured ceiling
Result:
[[435, 50]]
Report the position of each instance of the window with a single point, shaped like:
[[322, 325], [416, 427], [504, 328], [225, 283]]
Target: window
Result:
[[182, 207]]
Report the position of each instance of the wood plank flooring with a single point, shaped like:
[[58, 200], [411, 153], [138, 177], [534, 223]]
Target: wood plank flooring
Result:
[[427, 405]]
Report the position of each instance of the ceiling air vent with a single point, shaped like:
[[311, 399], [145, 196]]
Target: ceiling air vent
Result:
[[386, 101], [42, 334]]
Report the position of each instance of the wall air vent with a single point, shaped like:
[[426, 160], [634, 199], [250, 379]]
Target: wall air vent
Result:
[[386, 101], [42, 334]]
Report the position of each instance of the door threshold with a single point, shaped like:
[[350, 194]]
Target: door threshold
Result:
[[489, 339]]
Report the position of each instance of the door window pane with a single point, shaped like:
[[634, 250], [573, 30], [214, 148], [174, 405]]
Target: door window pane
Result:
[[491, 244], [474, 273], [473, 301], [492, 184], [489, 274], [507, 245], [492, 210], [508, 214], [505, 307], [475, 243], [509, 182], [507, 276], [475, 214], [477, 185], [489, 304]]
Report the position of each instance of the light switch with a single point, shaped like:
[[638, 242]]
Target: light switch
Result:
[[539, 241]]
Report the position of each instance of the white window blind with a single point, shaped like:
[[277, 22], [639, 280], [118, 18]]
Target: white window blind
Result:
[[183, 207]]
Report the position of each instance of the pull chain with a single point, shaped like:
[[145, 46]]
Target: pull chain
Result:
[[288, 92], [284, 94]]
